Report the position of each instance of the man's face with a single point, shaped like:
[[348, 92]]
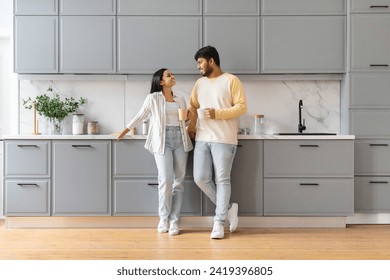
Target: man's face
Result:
[[204, 66]]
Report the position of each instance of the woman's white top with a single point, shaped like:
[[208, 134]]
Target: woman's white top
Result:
[[172, 114]]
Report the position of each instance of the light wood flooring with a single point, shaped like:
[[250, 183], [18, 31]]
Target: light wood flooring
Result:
[[367, 242]]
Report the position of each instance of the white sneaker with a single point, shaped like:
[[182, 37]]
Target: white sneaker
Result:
[[218, 231], [174, 229], [232, 217], [162, 226]]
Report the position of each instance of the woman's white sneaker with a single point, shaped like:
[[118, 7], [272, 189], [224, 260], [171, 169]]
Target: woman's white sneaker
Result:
[[174, 229], [218, 231], [162, 226], [232, 217]]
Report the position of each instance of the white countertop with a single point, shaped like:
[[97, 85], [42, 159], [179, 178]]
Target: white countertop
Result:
[[113, 137]]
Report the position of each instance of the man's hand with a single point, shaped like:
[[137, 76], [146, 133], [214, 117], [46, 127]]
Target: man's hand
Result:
[[209, 113]]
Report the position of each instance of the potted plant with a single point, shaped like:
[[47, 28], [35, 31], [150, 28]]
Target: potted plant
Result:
[[54, 108]]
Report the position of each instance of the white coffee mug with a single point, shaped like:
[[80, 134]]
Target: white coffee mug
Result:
[[200, 113]]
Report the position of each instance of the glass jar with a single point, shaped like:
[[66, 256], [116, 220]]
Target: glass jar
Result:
[[92, 128], [258, 125]]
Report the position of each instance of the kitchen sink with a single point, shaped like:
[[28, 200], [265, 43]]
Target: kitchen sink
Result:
[[305, 133]]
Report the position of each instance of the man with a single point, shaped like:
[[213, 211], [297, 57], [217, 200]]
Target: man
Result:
[[222, 97]]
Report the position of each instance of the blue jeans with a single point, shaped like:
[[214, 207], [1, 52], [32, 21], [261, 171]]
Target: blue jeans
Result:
[[171, 168], [221, 156]]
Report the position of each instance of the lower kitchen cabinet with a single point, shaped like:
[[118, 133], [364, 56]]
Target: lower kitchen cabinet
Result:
[[81, 178], [27, 197], [372, 194], [135, 197]]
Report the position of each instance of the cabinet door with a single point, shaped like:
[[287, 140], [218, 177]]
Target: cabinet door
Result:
[[231, 7], [36, 7], [370, 40], [246, 180], [144, 45], [81, 178], [370, 90], [87, 7], [35, 44], [26, 158], [158, 7], [372, 194], [370, 123], [303, 44], [372, 157], [247, 43], [87, 44], [370, 6], [308, 197], [27, 197], [303, 7]]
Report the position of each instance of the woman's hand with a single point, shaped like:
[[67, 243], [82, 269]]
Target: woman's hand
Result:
[[121, 134]]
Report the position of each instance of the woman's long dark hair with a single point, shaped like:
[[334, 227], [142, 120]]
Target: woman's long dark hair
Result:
[[157, 77]]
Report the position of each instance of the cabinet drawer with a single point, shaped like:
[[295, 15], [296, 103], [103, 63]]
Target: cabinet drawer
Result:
[[27, 158], [231, 7], [36, 7], [370, 123], [87, 7], [372, 194], [158, 7], [140, 197], [372, 157], [370, 90], [27, 197], [313, 158], [370, 6], [308, 197], [302, 7], [370, 38]]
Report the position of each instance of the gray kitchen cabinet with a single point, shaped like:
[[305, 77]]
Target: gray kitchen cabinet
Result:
[[36, 7], [158, 7], [370, 6], [369, 90], [87, 7], [81, 178], [138, 36], [247, 43], [308, 177], [36, 44], [372, 194], [303, 44], [246, 180], [87, 44], [135, 182], [370, 38], [231, 7], [27, 197], [303, 7], [372, 157], [367, 123]]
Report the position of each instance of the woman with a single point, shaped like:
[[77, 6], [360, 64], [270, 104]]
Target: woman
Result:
[[169, 142]]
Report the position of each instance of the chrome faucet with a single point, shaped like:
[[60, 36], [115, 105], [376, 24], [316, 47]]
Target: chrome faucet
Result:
[[301, 125]]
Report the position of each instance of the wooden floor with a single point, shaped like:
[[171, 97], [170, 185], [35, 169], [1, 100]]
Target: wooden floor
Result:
[[368, 242]]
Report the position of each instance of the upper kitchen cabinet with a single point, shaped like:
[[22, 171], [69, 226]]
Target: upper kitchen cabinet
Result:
[[370, 6], [87, 7], [147, 43], [370, 41], [303, 7], [36, 44], [231, 7], [87, 44], [158, 7], [36, 7], [303, 44]]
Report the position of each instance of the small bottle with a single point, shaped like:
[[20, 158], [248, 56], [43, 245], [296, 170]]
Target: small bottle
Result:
[[145, 126], [78, 124], [258, 125]]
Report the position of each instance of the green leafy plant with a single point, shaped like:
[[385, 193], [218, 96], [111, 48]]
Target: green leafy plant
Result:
[[53, 107]]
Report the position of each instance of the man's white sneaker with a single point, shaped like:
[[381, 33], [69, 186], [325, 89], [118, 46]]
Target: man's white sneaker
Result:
[[162, 226], [174, 229], [232, 217], [218, 231]]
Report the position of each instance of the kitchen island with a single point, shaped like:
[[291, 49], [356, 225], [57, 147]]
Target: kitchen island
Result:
[[95, 180]]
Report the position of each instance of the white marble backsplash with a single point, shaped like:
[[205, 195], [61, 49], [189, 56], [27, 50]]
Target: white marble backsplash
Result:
[[114, 103]]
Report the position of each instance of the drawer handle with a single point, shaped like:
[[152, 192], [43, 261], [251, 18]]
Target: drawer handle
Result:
[[81, 146], [379, 182], [305, 146], [23, 185], [152, 184], [379, 6], [379, 145], [27, 146], [309, 184], [379, 65]]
